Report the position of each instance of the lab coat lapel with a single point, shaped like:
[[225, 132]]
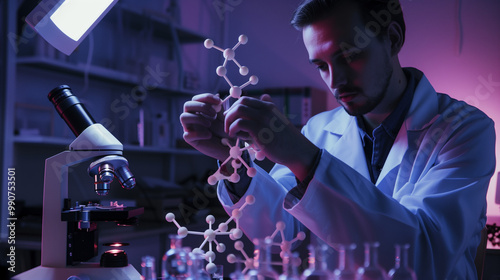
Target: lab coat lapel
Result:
[[348, 148], [423, 107]]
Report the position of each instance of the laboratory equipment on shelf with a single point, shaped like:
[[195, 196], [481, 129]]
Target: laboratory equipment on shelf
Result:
[[69, 231]]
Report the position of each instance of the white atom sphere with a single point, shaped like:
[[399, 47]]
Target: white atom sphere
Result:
[[254, 80], [222, 227], [210, 256], [212, 180], [209, 43], [236, 164], [170, 217], [249, 263], [210, 219], [250, 199], [236, 234], [236, 213], [235, 92], [229, 54], [243, 39], [225, 141], [182, 232], [259, 155], [231, 258], [234, 178], [301, 235], [221, 248], [251, 172], [285, 245], [221, 71], [197, 251], [280, 225], [235, 152], [209, 234], [211, 268], [244, 71], [238, 245]]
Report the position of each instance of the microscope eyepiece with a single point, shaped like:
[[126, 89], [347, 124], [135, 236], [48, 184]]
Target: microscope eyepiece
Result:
[[70, 109]]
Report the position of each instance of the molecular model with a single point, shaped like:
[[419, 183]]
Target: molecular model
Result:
[[235, 92], [210, 234], [285, 246]]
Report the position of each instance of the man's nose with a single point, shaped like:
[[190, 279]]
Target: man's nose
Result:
[[337, 78]]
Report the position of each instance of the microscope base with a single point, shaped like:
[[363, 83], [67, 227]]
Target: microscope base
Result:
[[87, 271]]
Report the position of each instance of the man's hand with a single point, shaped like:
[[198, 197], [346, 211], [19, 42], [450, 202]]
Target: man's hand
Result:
[[259, 122], [203, 125]]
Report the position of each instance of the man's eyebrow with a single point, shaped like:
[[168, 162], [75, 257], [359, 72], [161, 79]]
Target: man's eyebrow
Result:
[[335, 54]]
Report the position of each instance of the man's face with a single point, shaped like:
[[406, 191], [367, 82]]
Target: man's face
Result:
[[355, 66]]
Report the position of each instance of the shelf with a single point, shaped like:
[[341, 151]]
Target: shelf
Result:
[[161, 25], [58, 141], [94, 72]]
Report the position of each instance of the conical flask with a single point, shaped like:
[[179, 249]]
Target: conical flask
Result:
[[290, 271], [174, 263], [263, 270], [402, 270], [196, 267], [346, 269], [371, 270], [317, 264]]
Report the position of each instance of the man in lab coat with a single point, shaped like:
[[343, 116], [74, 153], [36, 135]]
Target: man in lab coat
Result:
[[397, 163]]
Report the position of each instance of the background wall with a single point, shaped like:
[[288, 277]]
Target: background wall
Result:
[[455, 43]]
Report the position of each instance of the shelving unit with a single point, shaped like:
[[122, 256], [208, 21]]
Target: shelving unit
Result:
[[135, 22], [124, 45]]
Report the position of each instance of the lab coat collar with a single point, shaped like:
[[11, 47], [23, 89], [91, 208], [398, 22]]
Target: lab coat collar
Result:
[[422, 113]]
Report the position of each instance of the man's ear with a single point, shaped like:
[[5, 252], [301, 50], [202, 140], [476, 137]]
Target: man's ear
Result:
[[396, 37]]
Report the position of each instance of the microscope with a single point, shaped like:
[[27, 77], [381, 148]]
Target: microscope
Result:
[[69, 233]]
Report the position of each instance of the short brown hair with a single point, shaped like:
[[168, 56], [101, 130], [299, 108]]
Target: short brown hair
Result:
[[381, 12]]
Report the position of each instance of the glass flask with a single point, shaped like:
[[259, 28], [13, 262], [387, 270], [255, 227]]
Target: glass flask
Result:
[[317, 264], [196, 267], [290, 271], [262, 260], [346, 269], [371, 270], [402, 270], [148, 271], [174, 262], [237, 274]]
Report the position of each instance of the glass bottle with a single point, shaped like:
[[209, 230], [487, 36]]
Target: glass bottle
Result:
[[174, 262], [317, 264], [196, 267], [402, 270], [148, 271], [290, 271], [237, 273], [263, 270], [346, 269], [371, 270]]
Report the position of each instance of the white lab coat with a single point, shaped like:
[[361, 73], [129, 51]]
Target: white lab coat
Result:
[[431, 192]]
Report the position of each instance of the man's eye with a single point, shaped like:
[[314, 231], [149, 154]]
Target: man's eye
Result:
[[321, 67]]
